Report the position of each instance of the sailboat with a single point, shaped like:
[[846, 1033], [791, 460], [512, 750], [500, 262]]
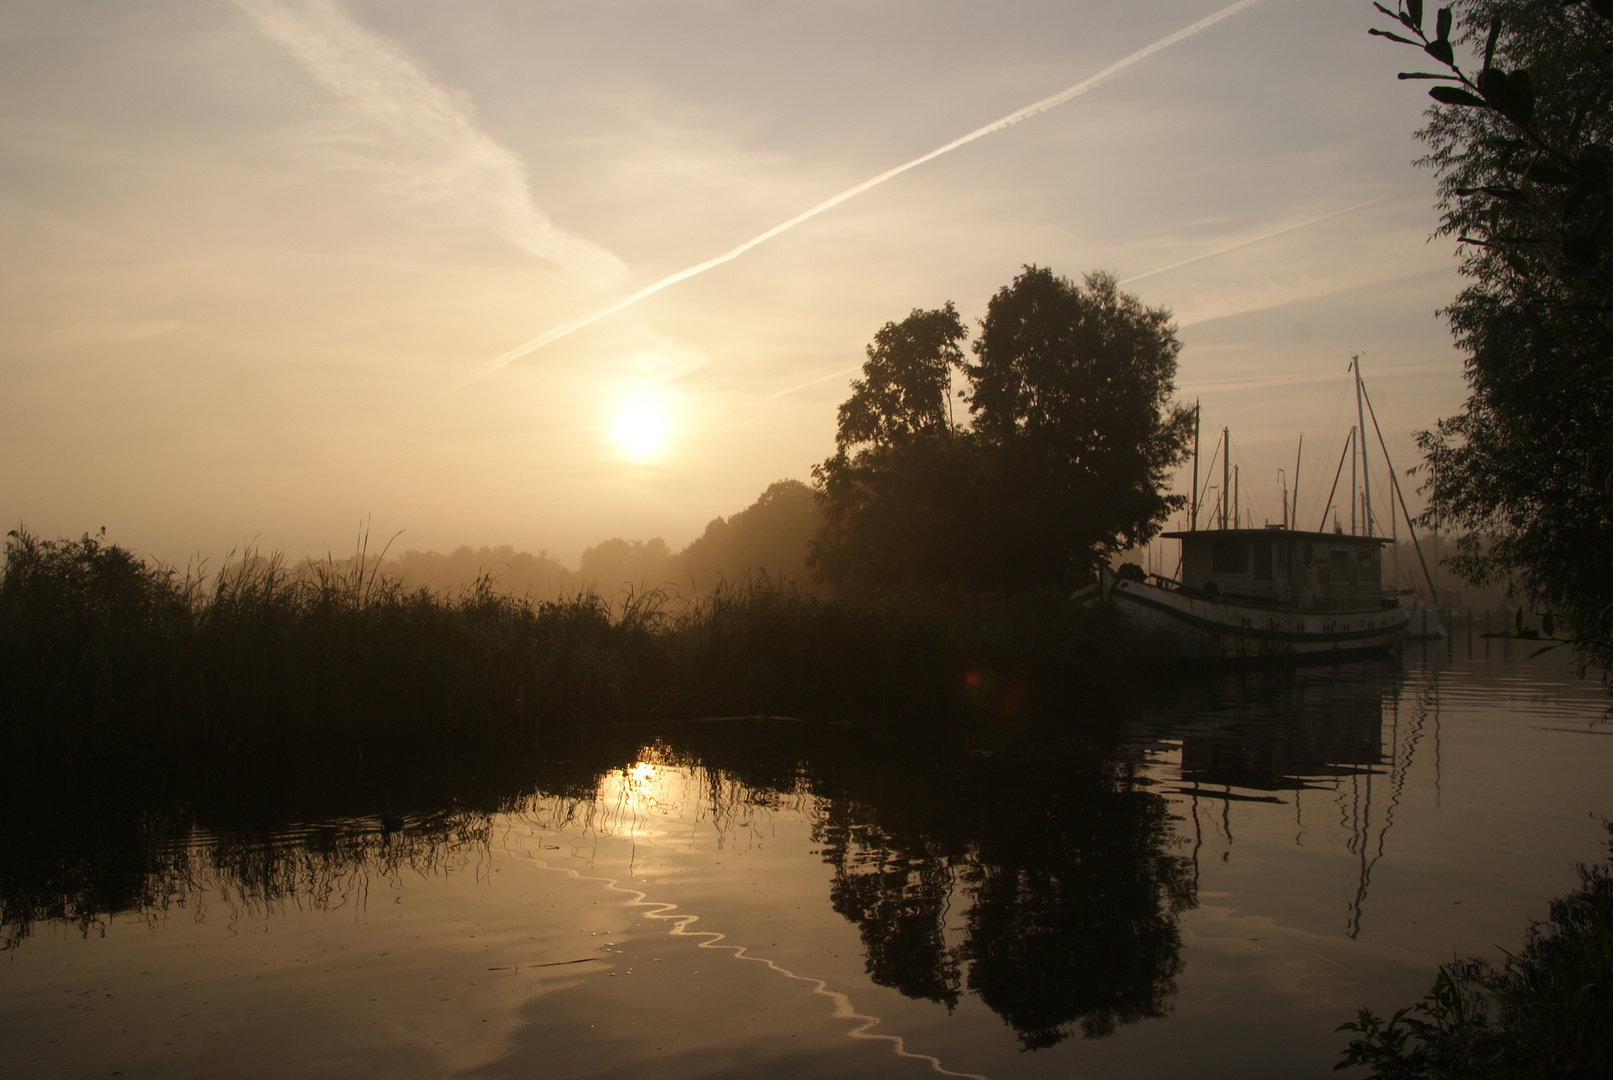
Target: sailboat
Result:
[[1271, 592]]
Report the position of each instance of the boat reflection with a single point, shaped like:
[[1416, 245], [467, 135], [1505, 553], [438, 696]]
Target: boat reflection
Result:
[[1350, 734]]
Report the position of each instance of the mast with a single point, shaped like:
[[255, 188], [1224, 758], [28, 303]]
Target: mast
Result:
[[1366, 473], [1297, 453], [1237, 514], [1193, 500], [1226, 472]]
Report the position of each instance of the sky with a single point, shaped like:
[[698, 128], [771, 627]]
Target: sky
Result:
[[262, 258]]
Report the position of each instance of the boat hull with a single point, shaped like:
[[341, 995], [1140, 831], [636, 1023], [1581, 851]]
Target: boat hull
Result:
[[1220, 629]]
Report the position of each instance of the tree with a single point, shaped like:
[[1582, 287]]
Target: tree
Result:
[[1070, 399], [1070, 442], [768, 539], [891, 493], [1522, 151]]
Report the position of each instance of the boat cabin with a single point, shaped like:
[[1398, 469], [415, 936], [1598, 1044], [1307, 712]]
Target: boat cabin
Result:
[[1282, 567]]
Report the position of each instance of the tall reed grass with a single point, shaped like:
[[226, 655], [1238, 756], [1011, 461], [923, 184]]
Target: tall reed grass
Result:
[[103, 653]]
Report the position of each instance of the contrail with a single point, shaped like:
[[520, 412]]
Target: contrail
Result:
[[410, 130], [1254, 240], [814, 382], [1012, 118]]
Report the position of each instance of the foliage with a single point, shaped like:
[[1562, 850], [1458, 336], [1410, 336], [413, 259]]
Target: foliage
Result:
[[1522, 149], [767, 540], [1070, 398], [893, 492], [1546, 1012], [1070, 442]]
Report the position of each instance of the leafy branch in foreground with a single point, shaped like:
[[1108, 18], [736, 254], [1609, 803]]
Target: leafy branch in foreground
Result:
[[1545, 1012], [1521, 137]]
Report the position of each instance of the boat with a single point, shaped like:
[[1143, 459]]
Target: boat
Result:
[[1276, 591], [1265, 593]]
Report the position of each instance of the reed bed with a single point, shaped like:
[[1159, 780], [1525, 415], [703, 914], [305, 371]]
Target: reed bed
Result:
[[102, 653]]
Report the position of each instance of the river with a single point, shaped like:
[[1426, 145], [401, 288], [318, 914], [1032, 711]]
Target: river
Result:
[[1207, 882]]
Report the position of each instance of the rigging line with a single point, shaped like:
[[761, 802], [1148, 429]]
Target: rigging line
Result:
[[1349, 446], [1394, 482], [1033, 109], [1209, 471], [1333, 429], [1257, 501]]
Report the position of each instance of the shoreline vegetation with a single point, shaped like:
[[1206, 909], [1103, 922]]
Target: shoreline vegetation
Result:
[[1544, 1011], [104, 654]]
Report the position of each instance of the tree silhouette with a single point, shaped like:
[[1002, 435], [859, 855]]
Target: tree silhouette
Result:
[[1071, 440], [1523, 148]]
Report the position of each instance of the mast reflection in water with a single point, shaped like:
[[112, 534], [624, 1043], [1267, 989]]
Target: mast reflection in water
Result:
[[1042, 872]]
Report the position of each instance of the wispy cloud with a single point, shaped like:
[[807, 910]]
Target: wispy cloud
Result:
[[1033, 109], [423, 137], [1253, 240]]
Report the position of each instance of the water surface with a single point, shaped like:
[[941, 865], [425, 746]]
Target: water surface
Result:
[[1208, 878]]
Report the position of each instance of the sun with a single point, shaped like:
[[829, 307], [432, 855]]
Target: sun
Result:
[[640, 429]]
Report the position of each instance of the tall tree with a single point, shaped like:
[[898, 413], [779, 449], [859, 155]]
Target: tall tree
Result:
[[892, 491], [1521, 138], [1071, 440], [1070, 396]]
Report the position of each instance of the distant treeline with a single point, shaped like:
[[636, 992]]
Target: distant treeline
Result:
[[767, 541]]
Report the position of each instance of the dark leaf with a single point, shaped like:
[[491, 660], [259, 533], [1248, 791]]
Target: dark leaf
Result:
[[1489, 45], [1414, 14], [1505, 194], [1392, 37], [1544, 171], [1451, 95], [1440, 50], [1442, 23], [1493, 84], [1549, 624], [1426, 75], [1518, 264], [1517, 621], [1385, 10], [1542, 649], [1582, 251], [1520, 104]]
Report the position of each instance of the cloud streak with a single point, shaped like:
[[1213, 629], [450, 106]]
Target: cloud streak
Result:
[[1254, 240], [1015, 117], [415, 129]]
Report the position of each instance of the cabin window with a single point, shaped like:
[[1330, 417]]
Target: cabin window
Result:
[[1263, 560], [1341, 566], [1228, 556], [1364, 565]]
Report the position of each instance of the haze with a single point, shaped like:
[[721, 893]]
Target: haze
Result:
[[257, 252]]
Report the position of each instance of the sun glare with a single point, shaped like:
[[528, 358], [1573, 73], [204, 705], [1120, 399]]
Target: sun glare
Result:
[[640, 429]]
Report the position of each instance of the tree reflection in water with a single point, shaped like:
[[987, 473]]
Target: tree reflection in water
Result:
[[1058, 868], [1044, 876]]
